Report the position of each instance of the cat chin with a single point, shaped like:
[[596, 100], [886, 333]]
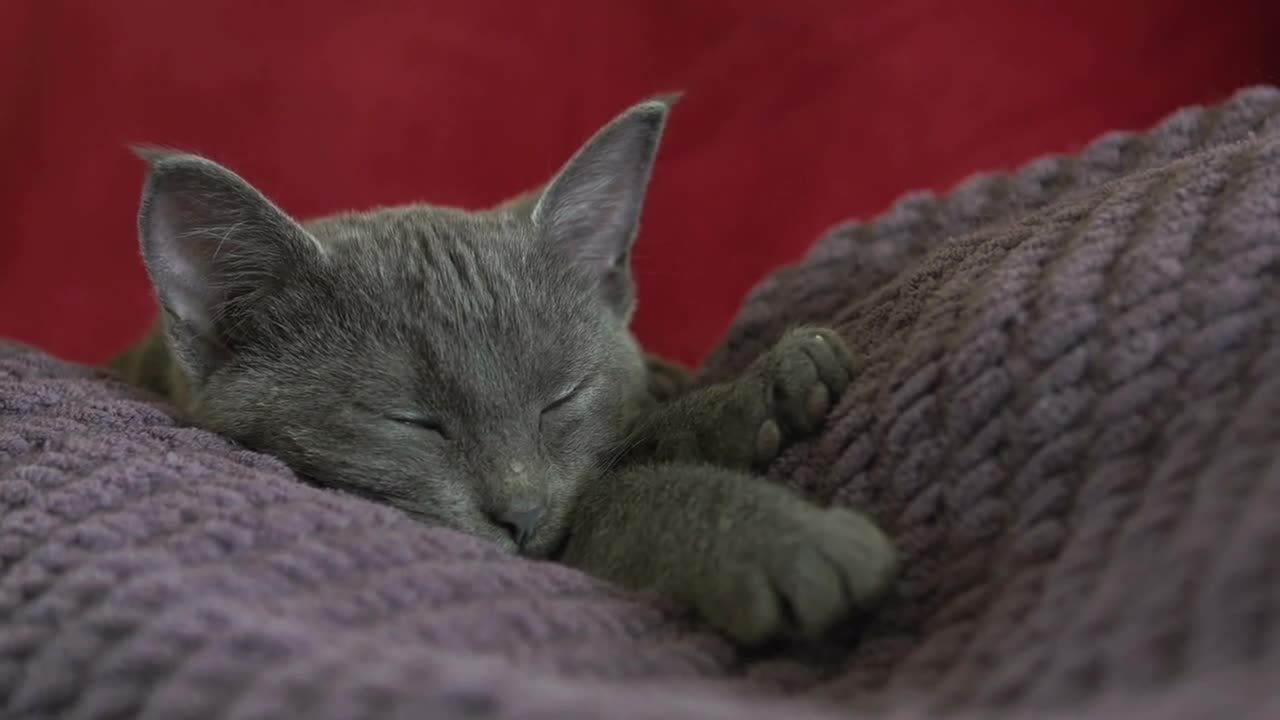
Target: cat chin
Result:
[[491, 534], [504, 543], [545, 546], [548, 546]]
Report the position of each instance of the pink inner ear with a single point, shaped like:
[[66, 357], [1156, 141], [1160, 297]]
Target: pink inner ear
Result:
[[181, 257]]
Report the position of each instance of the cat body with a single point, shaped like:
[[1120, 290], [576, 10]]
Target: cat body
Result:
[[475, 369]]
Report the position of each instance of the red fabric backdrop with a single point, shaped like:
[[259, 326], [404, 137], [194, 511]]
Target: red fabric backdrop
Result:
[[797, 114]]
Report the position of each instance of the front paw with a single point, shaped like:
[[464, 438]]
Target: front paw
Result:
[[753, 558], [794, 386], [796, 572]]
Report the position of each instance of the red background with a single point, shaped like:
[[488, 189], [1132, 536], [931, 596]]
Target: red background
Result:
[[798, 114]]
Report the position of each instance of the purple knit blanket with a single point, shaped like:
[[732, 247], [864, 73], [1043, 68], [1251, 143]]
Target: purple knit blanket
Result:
[[1069, 422]]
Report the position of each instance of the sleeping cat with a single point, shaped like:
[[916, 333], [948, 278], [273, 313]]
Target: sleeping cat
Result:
[[475, 370]]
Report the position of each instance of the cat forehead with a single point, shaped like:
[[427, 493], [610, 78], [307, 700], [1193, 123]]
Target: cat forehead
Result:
[[428, 266], [422, 245], [417, 227]]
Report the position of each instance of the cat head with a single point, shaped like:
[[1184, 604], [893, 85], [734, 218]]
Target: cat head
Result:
[[471, 368]]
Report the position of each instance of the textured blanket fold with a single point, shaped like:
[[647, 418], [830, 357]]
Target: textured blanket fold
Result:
[[1069, 422]]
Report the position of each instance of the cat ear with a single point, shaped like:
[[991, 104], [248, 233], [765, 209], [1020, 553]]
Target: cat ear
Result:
[[591, 210], [213, 246]]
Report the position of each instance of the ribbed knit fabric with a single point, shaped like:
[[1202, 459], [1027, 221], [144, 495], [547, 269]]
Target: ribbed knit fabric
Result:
[[1069, 422]]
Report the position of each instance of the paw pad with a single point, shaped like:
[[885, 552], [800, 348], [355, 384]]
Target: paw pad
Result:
[[804, 375]]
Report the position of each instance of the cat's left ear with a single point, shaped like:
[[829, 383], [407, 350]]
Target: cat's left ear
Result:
[[591, 210]]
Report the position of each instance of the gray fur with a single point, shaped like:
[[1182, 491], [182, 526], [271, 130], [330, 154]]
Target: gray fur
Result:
[[308, 340], [475, 369]]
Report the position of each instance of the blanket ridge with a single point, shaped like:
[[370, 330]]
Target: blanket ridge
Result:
[[1066, 418]]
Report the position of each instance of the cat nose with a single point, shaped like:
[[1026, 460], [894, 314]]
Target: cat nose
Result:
[[520, 524]]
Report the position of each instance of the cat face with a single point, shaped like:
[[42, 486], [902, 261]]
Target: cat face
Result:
[[471, 368]]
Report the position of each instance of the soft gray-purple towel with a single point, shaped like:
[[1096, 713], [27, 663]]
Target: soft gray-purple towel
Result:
[[1070, 424]]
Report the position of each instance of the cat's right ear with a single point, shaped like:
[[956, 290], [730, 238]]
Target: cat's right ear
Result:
[[214, 247]]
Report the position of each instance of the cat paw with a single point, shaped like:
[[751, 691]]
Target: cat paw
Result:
[[797, 382], [815, 568], [745, 423]]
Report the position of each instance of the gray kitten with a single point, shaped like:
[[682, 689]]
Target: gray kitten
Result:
[[474, 369]]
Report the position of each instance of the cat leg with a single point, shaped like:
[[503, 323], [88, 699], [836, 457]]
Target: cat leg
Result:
[[754, 559], [784, 396]]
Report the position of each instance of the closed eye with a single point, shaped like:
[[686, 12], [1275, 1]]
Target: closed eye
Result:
[[419, 421], [564, 397]]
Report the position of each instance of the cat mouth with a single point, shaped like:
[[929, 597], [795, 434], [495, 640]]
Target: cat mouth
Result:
[[561, 544], [543, 546], [550, 547]]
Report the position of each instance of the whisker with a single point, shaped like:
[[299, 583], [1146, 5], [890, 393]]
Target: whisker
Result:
[[618, 456]]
